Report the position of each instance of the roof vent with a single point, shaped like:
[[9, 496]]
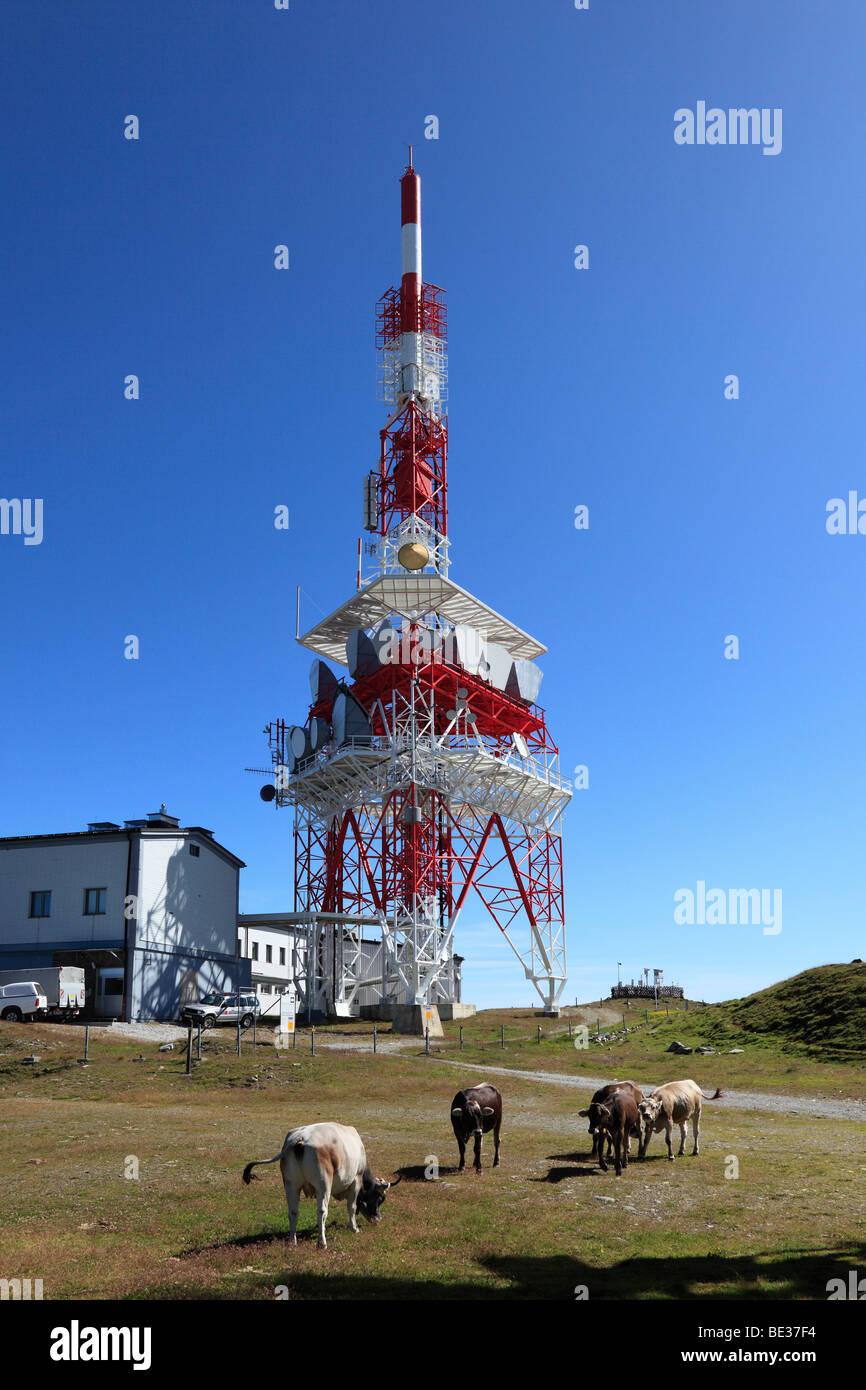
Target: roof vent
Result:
[[102, 825], [161, 817]]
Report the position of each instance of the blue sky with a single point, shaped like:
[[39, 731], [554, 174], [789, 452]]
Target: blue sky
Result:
[[602, 387]]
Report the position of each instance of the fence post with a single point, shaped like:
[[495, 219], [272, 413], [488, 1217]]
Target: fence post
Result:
[[312, 1042], [623, 1022], [86, 1041], [569, 1030], [646, 1014], [461, 1037], [502, 1035], [239, 1033], [198, 1052], [598, 1027], [538, 1033], [374, 1037], [427, 1040], [189, 1049]]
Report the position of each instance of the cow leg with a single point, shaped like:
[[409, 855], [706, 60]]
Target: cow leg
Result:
[[293, 1201], [643, 1144], [601, 1161], [668, 1132], [696, 1126], [617, 1149], [477, 1160], [594, 1146], [496, 1129], [462, 1147], [350, 1203], [323, 1199], [682, 1124], [626, 1147]]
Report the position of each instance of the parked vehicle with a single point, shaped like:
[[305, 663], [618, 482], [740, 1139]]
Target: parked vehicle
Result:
[[21, 1000], [62, 985], [222, 1007]]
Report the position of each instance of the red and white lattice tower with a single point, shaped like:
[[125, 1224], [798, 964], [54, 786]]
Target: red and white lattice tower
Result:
[[423, 776]]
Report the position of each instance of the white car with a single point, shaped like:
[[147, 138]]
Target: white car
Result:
[[21, 1001], [221, 1007]]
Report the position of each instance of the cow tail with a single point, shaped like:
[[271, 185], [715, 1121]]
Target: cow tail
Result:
[[719, 1095], [298, 1148]]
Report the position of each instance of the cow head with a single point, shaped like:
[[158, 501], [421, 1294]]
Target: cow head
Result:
[[472, 1114], [599, 1116], [650, 1110], [372, 1195]]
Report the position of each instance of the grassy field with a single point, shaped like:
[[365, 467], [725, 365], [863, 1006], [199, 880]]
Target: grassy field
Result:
[[538, 1227]]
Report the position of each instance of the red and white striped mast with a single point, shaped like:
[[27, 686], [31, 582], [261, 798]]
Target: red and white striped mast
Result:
[[425, 776], [406, 501]]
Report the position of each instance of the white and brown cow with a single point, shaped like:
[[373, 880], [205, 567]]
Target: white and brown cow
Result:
[[677, 1102], [325, 1160]]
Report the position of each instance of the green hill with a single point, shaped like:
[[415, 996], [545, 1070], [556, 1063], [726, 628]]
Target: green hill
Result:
[[822, 1008]]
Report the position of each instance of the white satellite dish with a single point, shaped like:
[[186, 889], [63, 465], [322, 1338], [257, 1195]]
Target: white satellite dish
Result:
[[520, 745]]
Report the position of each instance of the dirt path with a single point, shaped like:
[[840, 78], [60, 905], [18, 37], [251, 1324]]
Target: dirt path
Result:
[[735, 1100]]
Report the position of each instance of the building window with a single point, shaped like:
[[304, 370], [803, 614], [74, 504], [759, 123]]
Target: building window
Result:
[[194, 851], [255, 950], [94, 902], [266, 989], [282, 955], [40, 904], [240, 947], [269, 954]]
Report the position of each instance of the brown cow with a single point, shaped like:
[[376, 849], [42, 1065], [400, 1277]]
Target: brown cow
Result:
[[674, 1103], [600, 1096], [617, 1117], [474, 1112]]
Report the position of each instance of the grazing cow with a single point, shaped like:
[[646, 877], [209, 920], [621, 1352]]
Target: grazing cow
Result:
[[323, 1160], [616, 1116], [474, 1112], [674, 1103], [600, 1096]]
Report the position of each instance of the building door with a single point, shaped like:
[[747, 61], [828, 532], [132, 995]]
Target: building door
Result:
[[109, 993]]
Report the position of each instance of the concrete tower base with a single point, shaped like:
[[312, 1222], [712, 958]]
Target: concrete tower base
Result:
[[415, 1019]]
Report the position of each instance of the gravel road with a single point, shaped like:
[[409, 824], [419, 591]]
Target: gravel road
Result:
[[735, 1100]]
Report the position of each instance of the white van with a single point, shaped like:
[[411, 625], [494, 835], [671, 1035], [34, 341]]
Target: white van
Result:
[[21, 1000]]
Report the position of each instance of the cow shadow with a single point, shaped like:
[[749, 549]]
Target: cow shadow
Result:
[[269, 1237], [419, 1172], [560, 1174]]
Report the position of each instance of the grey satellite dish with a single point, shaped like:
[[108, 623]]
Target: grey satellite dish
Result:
[[520, 745], [323, 683], [499, 663], [469, 648], [362, 654], [524, 681], [268, 792], [320, 733], [350, 720], [299, 740]]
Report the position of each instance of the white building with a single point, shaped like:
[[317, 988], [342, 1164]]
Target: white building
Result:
[[275, 954], [148, 908]]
